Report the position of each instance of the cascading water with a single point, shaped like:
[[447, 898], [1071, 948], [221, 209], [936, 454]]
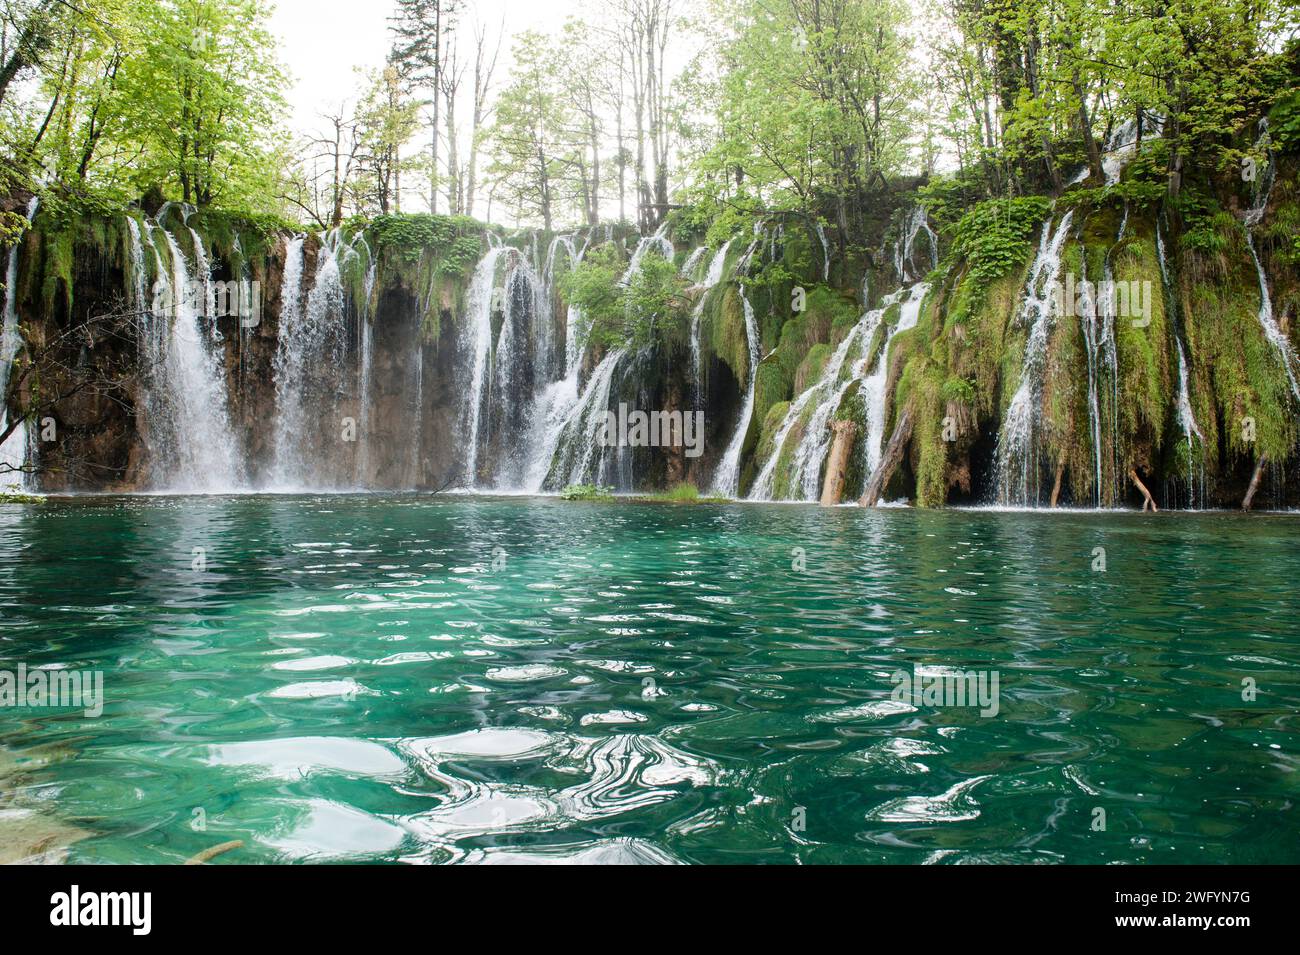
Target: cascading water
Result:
[[826, 251], [692, 264], [477, 343], [192, 445], [727, 480], [1017, 448], [1097, 319], [823, 397], [13, 451], [814, 408], [523, 379], [1186, 416], [366, 337], [873, 388], [1272, 331], [577, 456], [289, 361], [659, 241], [711, 280], [555, 401], [524, 361], [905, 246]]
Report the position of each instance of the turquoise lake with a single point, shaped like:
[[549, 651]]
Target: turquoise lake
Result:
[[475, 679]]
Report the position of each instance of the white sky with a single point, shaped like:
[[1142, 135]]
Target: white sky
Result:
[[322, 41]]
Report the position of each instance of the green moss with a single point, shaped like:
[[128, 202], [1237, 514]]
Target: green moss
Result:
[[770, 387], [921, 388], [771, 425]]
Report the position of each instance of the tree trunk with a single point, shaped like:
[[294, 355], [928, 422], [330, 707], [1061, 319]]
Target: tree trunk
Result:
[[1060, 475], [893, 455], [1148, 502], [1090, 141], [1254, 483], [838, 462]]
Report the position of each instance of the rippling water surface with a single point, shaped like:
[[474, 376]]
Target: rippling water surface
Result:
[[459, 679]]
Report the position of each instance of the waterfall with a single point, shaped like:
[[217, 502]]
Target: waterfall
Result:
[[1017, 448], [365, 373], [905, 245], [139, 269], [711, 279], [555, 400], [477, 341], [1088, 321], [301, 351], [523, 379], [873, 389], [814, 408], [826, 251], [823, 396], [659, 241], [1272, 331], [191, 443], [14, 450], [576, 455], [1097, 320], [691, 266], [1186, 416], [1120, 146], [727, 480]]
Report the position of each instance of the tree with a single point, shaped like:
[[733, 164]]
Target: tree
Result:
[[816, 104], [528, 167], [386, 121], [421, 30]]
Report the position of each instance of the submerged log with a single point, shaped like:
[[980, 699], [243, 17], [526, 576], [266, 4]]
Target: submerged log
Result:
[[837, 464], [893, 455], [1254, 483], [1148, 501]]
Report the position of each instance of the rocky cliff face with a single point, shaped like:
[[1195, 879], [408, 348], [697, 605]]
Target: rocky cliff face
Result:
[[1068, 353]]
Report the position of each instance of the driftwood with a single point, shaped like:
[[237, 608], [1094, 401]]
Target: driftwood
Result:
[[1148, 501], [213, 851], [893, 455], [1254, 483], [837, 463]]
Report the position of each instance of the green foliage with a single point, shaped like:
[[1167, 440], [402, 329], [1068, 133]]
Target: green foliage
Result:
[[958, 389], [683, 493], [1284, 122], [454, 241], [996, 236], [648, 309], [587, 492], [810, 107], [13, 494]]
